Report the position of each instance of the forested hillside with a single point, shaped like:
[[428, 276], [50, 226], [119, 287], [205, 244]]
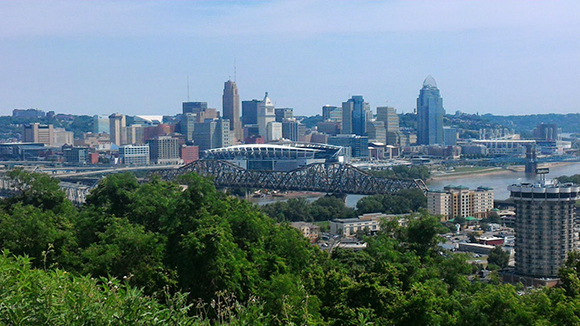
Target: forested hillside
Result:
[[154, 253]]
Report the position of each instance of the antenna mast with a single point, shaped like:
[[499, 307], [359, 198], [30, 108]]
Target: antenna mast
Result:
[[234, 69], [188, 88]]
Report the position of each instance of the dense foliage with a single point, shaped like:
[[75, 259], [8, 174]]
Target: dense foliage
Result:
[[401, 202], [574, 179], [299, 209], [156, 253], [404, 172]]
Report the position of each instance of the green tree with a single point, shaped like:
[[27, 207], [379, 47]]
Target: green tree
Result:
[[46, 237], [422, 233], [38, 190], [569, 274]]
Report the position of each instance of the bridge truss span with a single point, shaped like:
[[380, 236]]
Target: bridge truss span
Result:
[[335, 178]]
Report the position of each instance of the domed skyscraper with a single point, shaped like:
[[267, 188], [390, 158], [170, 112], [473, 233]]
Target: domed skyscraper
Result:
[[430, 114]]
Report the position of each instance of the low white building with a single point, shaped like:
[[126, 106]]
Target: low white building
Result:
[[349, 226]]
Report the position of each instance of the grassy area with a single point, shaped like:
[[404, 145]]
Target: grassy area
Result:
[[464, 169]]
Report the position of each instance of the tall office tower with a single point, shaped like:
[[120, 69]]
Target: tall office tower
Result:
[[164, 150], [389, 116], [273, 131], [193, 107], [266, 114], [283, 114], [430, 114], [212, 134], [376, 131], [136, 135], [544, 227], [37, 133], [231, 109], [187, 125], [290, 129], [101, 124], [332, 113], [250, 112], [355, 114], [449, 136], [118, 128]]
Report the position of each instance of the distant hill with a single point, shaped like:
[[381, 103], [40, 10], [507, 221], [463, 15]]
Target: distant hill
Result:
[[567, 122]]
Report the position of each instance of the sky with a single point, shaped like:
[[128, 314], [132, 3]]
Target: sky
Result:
[[136, 57]]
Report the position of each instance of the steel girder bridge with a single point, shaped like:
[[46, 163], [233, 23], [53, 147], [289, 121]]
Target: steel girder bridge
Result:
[[75, 192], [332, 178]]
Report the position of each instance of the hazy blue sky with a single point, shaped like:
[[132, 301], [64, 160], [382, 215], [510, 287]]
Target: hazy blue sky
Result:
[[95, 57]]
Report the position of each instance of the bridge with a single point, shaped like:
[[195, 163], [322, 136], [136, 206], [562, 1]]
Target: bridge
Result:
[[75, 192], [333, 178]]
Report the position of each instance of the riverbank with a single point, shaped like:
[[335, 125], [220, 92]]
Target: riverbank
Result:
[[493, 171]]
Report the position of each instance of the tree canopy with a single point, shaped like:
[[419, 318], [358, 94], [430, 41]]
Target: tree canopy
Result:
[[162, 253]]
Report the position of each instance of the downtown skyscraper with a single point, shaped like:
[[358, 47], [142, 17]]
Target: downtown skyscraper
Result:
[[231, 109], [430, 114], [355, 114]]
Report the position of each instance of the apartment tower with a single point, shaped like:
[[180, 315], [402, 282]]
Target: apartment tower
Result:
[[544, 227]]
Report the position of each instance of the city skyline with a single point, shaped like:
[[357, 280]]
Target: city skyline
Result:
[[496, 57]]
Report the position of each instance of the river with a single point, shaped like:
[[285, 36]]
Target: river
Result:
[[498, 181]]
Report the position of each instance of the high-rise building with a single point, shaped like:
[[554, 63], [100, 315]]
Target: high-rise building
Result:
[[164, 150], [389, 116], [136, 135], [449, 136], [118, 129], [355, 114], [193, 107], [376, 131], [187, 125], [37, 133], [460, 201], [290, 129], [283, 113], [101, 124], [329, 127], [250, 112], [359, 145], [332, 113], [430, 114], [266, 114], [134, 154], [544, 227], [212, 134], [231, 109], [273, 131]]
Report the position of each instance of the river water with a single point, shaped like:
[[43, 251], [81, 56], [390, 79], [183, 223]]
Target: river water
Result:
[[499, 182]]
